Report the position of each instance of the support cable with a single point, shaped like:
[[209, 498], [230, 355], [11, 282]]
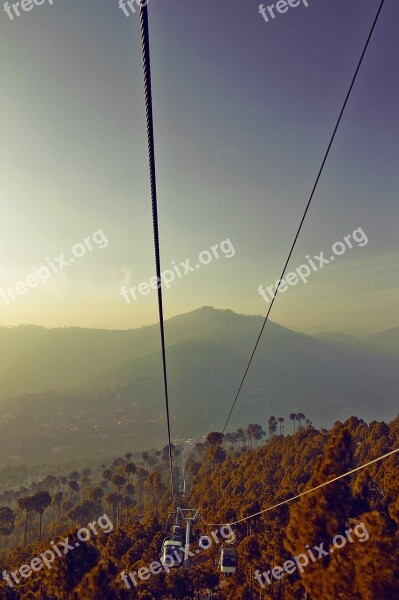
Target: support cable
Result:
[[371, 462], [145, 39], [306, 209]]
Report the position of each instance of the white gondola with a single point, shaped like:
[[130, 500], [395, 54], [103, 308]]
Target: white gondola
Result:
[[228, 560], [172, 549]]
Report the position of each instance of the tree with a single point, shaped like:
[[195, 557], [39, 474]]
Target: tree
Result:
[[112, 500], [40, 501], [7, 520], [73, 487], [83, 512], [85, 480], [219, 456], [234, 439], [193, 469], [26, 504], [241, 435], [130, 469], [145, 456], [48, 482], [96, 495], [214, 438], [272, 423], [318, 517], [107, 474], [250, 433], [118, 481], [254, 431], [293, 417], [75, 514], [128, 502], [155, 488], [58, 498], [165, 453], [152, 461], [66, 505], [129, 489], [200, 449], [281, 421], [300, 417], [141, 474]]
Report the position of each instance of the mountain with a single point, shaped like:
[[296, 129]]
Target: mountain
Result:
[[337, 336], [290, 372], [108, 390], [385, 342], [35, 358]]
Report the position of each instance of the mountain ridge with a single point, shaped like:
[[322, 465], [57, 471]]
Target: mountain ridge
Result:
[[121, 403]]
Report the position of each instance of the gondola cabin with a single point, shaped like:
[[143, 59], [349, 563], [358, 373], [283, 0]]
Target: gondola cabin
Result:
[[228, 561], [172, 552]]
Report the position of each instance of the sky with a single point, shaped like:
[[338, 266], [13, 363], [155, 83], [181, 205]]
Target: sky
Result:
[[243, 110]]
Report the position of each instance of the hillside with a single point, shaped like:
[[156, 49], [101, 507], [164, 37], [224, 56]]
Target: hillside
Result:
[[128, 502], [121, 404]]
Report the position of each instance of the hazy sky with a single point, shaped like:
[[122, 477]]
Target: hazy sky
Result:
[[243, 113]]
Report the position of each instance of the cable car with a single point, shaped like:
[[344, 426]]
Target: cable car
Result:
[[172, 549], [228, 560]]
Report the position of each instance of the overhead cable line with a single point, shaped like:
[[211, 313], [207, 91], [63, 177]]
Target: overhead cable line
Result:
[[145, 39], [306, 209], [371, 462]]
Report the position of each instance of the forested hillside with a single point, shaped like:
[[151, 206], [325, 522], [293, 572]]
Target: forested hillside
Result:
[[228, 482]]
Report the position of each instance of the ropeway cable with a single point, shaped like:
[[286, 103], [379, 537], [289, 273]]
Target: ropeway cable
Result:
[[145, 39], [306, 210]]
